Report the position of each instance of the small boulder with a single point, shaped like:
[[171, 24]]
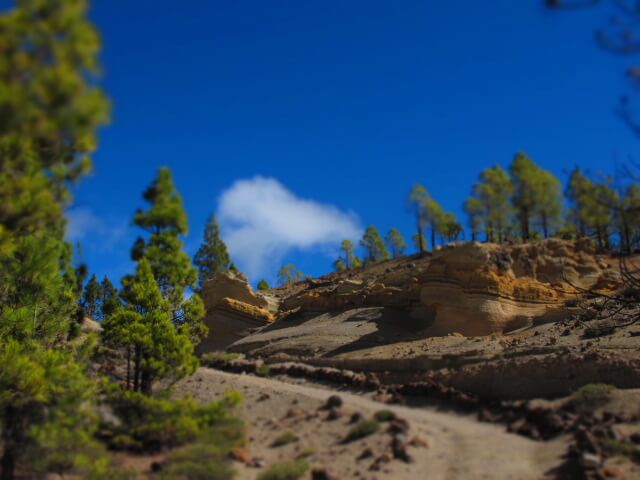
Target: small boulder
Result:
[[334, 401], [240, 455], [356, 417], [334, 414], [399, 448], [322, 474], [590, 460]]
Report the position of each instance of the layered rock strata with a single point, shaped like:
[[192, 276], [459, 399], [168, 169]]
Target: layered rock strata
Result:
[[233, 311]]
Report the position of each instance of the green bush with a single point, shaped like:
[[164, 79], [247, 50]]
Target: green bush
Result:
[[306, 453], [285, 471], [362, 429], [284, 439], [150, 424], [217, 357], [592, 396], [384, 415], [263, 370], [198, 461], [624, 449]]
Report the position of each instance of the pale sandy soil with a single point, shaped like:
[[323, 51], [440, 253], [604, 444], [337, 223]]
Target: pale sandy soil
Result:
[[459, 447]]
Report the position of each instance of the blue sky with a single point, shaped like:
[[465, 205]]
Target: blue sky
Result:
[[338, 107]]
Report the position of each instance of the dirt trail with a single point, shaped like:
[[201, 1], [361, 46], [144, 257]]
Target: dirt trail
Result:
[[459, 447]]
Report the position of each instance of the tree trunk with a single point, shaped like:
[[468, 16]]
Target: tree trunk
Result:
[[599, 235], [420, 238], [136, 370], [128, 384], [545, 225], [145, 382], [627, 238], [8, 461], [524, 223], [433, 237]]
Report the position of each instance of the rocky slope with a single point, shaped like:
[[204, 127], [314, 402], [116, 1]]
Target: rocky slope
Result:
[[233, 311], [496, 320], [420, 443]]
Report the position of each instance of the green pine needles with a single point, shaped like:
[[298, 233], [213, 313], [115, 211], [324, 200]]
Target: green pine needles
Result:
[[158, 325], [212, 257]]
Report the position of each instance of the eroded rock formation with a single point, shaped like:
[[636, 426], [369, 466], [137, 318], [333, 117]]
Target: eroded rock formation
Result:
[[467, 289], [233, 309], [479, 289]]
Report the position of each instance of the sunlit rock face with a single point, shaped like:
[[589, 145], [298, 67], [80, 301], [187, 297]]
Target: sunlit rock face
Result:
[[233, 310], [479, 289], [470, 289]]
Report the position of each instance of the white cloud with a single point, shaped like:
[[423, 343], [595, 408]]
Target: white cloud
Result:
[[261, 221], [88, 228]]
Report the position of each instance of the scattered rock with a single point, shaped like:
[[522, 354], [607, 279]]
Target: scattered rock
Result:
[[398, 425], [334, 414], [418, 442], [349, 286], [356, 417], [258, 463], [485, 415], [295, 412], [590, 460], [322, 474], [240, 455], [399, 448], [334, 401], [366, 453], [612, 472], [378, 462]]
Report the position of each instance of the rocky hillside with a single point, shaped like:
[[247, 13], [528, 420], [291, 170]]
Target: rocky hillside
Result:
[[461, 315]]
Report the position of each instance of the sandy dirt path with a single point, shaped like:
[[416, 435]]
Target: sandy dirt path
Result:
[[459, 447]]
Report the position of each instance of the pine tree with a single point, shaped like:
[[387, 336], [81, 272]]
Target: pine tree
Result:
[[349, 253], [475, 212], [579, 189], [449, 227], [348, 259], [628, 218], [46, 409], [156, 348], [494, 191], [537, 196], [434, 218], [110, 301], [524, 173], [591, 207], [419, 241], [289, 274], [166, 222], [600, 214], [548, 208], [51, 109], [91, 298], [263, 285], [212, 257], [37, 298], [374, 246], [396, 242], [417, 201]]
